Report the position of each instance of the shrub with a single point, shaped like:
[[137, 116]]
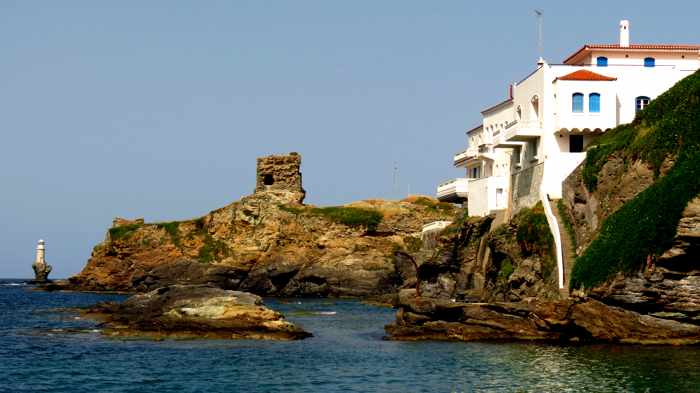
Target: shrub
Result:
[[669, 126], [172, 229], [533, 232], [123, 231], [351, 216], [212, 249]]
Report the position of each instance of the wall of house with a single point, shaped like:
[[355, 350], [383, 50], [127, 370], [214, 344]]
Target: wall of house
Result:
[[565, 117], [495, 121], [483, 195]]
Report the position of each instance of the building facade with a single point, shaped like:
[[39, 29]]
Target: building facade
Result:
[[528, 144]]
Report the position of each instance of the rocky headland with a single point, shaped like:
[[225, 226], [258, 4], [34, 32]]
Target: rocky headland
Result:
[[268, 243], [193, 311]]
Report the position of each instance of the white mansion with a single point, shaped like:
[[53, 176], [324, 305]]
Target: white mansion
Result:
[[528, 144]]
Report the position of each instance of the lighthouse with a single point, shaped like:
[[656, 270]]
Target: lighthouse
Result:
[[41, 268]]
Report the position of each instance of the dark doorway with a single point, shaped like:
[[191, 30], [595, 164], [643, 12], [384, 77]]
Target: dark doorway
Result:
[[575, 143], [268, 180]]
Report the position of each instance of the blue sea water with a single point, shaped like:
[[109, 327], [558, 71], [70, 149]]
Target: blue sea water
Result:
[[45, 347]]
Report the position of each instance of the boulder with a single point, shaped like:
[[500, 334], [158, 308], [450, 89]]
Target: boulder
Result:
[[194, 311]]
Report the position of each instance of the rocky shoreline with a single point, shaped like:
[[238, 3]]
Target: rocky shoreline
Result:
[[575, 320]]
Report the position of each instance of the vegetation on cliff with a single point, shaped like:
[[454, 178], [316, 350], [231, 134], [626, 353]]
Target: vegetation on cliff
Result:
[[350, 216], [669, 128]]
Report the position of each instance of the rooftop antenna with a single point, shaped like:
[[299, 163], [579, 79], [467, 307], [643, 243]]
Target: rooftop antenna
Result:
[[539, 14]]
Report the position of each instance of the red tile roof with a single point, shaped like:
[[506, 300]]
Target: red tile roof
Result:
[[585, 75], [669, 47]]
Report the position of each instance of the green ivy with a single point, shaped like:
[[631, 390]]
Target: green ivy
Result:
[[668, 127]]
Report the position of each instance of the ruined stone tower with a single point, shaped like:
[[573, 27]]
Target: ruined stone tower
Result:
[[280, 175]]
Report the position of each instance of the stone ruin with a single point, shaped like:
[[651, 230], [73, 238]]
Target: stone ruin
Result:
[[280, 175]]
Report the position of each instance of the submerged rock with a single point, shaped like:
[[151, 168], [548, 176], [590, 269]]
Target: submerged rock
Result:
[[194, 311]]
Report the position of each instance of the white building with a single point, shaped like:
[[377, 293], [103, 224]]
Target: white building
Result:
[[528, 144]]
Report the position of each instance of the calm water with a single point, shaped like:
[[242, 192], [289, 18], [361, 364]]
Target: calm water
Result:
[[46, 350]]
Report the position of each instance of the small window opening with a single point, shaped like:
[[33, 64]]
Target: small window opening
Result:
[[268, 180], [640, 103], [649, 62], [575, 143], [602, 61]]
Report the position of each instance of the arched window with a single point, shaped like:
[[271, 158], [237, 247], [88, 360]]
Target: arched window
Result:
[[594, 103], [649, 62], [602, 61], [640, 103], [577, 103], [535, 108]]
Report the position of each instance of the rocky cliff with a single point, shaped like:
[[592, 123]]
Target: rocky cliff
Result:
[[633, 210], [268, 243]]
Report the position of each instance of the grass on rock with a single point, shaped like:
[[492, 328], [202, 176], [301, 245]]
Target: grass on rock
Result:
[[668, 128]]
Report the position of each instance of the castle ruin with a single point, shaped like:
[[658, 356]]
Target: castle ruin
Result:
[[280, 175]]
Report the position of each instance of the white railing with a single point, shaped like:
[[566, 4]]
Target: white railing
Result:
[[554, 228]]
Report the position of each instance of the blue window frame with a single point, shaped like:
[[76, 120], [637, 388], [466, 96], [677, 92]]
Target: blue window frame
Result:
[[577, 103], [649, 62], [602, 61], [594, 103]]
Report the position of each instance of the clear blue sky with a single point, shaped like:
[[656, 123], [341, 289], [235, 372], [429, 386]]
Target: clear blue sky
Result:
[[159, 108]]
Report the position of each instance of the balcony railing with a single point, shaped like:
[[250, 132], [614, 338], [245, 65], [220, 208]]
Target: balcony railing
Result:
[[523, 131], [454, 190]]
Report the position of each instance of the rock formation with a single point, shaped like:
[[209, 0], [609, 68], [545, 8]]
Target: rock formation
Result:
[[268, 243], [194, 312], [569, 320]]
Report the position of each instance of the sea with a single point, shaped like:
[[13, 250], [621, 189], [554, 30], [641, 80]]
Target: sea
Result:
[[46, 347]]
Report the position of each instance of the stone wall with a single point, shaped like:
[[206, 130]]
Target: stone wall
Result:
[[525, 186], [280, 173]]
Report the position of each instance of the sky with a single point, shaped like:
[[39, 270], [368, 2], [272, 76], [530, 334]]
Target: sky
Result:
[[159, 109]]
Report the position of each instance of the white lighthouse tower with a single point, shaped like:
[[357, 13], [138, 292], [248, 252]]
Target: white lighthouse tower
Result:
[[41, 268]]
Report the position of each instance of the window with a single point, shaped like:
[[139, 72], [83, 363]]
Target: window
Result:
[[575, 143], [649, 62], [532, 147], [577, 103], [641, 103], [594, 103], [475, 173], [268, 180], [535, 108], [602, 61], [519, 112]]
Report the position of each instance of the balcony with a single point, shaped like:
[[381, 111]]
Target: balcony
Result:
[[481, 152], [523, 131], [454, 191]]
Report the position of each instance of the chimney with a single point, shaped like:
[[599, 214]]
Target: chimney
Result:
[[624, 33]]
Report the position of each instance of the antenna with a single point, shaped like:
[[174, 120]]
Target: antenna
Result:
[[395, 188], [539, 14]]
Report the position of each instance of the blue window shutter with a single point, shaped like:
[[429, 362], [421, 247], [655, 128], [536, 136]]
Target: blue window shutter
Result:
[[594, 103], [577, 103], [649, 62], [602, 61]]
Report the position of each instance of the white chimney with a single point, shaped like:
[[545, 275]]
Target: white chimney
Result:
[[624, 33]]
